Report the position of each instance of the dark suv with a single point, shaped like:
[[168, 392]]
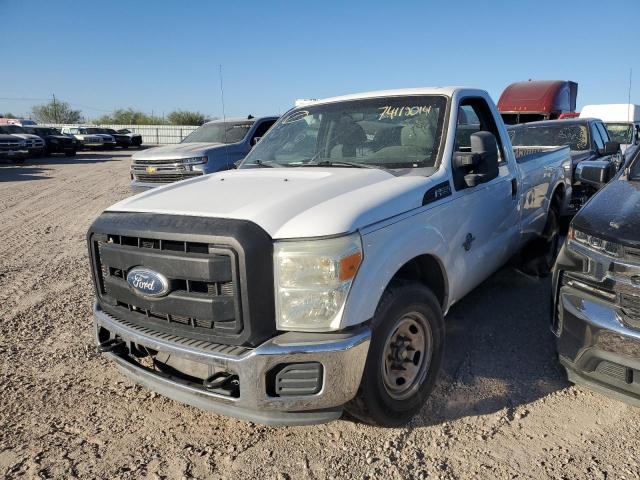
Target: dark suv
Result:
[[55, 141]]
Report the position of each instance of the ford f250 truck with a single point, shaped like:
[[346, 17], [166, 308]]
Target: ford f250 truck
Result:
[[316, 276]]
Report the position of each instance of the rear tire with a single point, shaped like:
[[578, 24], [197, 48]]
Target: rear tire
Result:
[[405, 354]]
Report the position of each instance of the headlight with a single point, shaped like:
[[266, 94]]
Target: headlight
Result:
[[193, 160], [312, 281], [594, 243]]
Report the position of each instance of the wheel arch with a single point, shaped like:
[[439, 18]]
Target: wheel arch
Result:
[[428, 270]]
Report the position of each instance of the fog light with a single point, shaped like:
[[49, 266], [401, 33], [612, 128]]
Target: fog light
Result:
[[295, 379]]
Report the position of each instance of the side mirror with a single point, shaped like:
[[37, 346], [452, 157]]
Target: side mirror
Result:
[[610, 148], [255, 140], [595, 172], [481, 163]]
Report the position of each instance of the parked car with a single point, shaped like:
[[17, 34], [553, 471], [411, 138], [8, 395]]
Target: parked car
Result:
[[35, 144], [84, 138], [315, 277], [16, 121], [136, 138], [213, 147], [623, 124], [109, 141], [537, 100], [55, 141], [12, 149], [122, 140], [587, 138], [596, 315]]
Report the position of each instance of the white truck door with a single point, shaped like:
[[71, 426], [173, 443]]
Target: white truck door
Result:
[[487, 229]]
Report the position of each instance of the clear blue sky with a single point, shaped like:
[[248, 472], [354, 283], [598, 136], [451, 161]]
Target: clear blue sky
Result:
[[163, 55]]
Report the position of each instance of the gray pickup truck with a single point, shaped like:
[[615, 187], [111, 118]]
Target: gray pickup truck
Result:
[[213, 147]]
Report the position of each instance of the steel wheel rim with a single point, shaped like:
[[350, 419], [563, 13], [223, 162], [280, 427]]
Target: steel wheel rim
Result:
[[407, 354]]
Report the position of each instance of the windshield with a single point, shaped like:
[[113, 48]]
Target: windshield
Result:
[[219, 132], [92, 130], [124, 130], [12, 129], [574, 135], [390, 132], [620, 132]]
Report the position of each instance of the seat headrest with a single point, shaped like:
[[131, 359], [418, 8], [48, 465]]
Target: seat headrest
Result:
[[413, 136]]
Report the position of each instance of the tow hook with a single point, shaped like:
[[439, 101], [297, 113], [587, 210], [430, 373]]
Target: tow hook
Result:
[[224, 383], [111, 345]]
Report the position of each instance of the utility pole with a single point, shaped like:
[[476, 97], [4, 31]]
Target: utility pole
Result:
[[55, 109]]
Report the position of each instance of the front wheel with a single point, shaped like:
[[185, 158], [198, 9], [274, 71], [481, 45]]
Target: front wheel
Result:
[[405, 354]]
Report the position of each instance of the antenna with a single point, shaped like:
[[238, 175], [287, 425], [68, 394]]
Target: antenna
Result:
[[224, 118]]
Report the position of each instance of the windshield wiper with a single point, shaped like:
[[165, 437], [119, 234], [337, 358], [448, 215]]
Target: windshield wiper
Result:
[[338, 163], [266, 164]]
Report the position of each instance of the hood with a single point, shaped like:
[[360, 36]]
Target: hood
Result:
[[613, 213], [26, 136], [289, 202], [179, 150], [8, 138]]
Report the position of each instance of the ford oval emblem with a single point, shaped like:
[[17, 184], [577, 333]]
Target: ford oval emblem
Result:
[[147, 283]]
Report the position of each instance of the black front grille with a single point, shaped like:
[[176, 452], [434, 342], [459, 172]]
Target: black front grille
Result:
[[213, 295], [164, 177], [202, 277], [160, 161]]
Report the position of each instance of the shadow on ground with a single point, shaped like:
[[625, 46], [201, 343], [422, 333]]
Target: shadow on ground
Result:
[[35, 169], [500, 352]]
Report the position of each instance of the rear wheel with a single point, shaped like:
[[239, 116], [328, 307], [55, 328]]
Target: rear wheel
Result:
[[404, 356]]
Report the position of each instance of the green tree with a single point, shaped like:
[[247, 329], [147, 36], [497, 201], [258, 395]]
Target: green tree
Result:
[[129, 116], [185, 117], [56, 112], [7, 115]]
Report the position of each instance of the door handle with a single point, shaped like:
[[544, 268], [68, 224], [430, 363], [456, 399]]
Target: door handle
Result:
[[514, 187]]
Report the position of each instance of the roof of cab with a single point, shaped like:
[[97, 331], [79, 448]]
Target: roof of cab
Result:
[[401, 92], [241, 119], [545, 123]]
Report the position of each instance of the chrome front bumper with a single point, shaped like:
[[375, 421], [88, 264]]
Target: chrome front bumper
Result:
[[596, 347], [342, 356]]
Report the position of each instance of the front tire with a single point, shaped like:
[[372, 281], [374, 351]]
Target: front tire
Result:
[[405, 354]]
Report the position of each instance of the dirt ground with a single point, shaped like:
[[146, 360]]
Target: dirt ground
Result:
[[502, 407]]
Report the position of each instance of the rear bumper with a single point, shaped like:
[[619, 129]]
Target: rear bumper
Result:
[[341, 355]]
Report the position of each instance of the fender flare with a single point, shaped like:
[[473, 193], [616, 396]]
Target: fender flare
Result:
[[393, 251]]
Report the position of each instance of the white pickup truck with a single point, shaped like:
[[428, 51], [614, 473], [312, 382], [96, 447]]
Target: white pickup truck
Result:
[[316, 277]]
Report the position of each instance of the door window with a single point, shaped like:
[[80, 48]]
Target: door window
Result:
[[603, 132], [597, 138], [474, 115], [263, 128]]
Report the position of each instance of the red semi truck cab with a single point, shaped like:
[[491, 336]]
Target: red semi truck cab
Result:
[[535, 100]]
